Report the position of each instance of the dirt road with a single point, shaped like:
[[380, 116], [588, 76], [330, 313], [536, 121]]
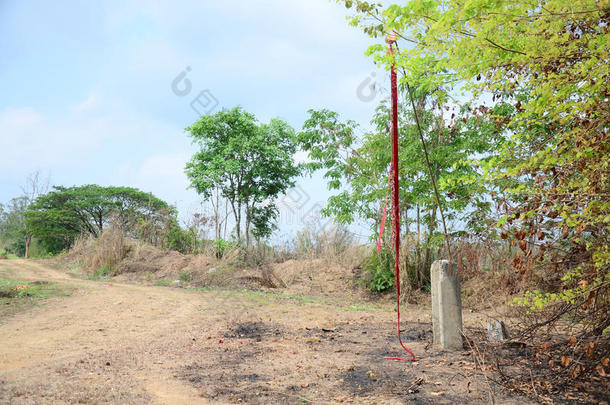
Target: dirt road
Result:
[[132, 344]]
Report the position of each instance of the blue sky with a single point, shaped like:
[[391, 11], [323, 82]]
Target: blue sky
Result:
[[86, 87]]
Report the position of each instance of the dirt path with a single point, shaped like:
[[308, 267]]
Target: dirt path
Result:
[[124, 343]]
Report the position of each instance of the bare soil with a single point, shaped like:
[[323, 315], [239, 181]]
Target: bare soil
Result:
[[114, 342]]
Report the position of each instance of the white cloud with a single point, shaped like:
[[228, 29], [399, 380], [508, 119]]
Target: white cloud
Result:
[[80, 149], [163, 173], [265, 38], [30, 139], [87, 105]]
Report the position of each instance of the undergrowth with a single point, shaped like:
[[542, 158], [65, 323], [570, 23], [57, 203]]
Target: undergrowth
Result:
[[17, 295]]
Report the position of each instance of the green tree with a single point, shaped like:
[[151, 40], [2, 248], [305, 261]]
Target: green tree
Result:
[[57, 217], [550, 60], [357, 167], [12, 226], [249, 162]]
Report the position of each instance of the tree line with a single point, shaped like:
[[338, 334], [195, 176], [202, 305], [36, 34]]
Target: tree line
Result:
[[56, 218]]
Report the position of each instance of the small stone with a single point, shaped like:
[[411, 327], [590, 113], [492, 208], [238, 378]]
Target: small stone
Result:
[[496, 331]]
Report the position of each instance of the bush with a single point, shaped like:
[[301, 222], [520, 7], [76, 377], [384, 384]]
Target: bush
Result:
[[220, 247], [184, 276], [104, 271], [180, 240], [18, 247], [380, 268]]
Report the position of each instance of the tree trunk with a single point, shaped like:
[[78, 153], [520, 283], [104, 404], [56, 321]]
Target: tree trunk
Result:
[[427, 257], [217, 223], [224, 233], [238, 222], [237, 216], [247, 228], [418, 246], [248, 219], [28, 241]]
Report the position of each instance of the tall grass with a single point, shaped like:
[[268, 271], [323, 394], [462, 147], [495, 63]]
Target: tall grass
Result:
[[104, 252], [336, 245]]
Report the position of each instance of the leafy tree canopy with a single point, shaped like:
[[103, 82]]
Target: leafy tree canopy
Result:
[[358, 166], [550, 60], [12, 225], [249, 162], [65, 212]]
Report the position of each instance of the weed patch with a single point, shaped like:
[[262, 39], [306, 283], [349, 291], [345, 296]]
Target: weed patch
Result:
[[6, 255], [19, 295], [184, 276]]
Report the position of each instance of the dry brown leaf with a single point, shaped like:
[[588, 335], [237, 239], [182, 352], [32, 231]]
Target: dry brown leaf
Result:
[[600, 370], [606, 361], [565, 361], [588, 349], [572, 340], [577, 370]]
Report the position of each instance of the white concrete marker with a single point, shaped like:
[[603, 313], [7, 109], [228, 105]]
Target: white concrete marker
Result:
[[446, 305]]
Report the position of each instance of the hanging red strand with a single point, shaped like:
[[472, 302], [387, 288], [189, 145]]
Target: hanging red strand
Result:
[[382, 227], [395, 207]]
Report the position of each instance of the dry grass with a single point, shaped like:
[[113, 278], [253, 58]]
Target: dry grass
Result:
[[488, 280], [329, 265], [80, 248], [336, 246], [108, 251], [105, 252]]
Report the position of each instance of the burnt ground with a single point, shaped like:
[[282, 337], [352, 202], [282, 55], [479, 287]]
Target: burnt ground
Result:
[[266, 363], [126, 343]]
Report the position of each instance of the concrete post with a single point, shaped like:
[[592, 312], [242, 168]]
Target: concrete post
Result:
[[446, 305]]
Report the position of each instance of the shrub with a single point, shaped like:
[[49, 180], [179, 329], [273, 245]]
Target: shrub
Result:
[[180, 240], [184, 276], [221, 246], [380, 268], [104, 271]]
